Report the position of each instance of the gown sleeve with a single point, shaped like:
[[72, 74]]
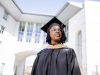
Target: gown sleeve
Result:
[[33, 72], [74, 66]]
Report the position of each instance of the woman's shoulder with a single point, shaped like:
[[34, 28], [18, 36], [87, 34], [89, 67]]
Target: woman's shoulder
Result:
[[70, 51], [45, 50], [68, 48]]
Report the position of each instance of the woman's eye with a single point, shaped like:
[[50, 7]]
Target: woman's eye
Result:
[[53, 30], [59, 30]]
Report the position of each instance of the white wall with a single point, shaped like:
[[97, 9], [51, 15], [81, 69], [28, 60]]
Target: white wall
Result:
[[92, 32], [9, 24], [77, 24], [92, 13], [8, 43], [10, 46]]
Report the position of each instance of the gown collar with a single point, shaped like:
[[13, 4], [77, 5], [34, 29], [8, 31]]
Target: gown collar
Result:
[[56, 46]]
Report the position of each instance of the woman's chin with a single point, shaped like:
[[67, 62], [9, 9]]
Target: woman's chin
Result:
[[57, 39]]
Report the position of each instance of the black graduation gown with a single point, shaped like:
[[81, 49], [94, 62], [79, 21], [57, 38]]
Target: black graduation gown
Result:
[[60, 61]]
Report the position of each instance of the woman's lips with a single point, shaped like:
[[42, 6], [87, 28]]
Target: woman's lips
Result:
[[57, 35]]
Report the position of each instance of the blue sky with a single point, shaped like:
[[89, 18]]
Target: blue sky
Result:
[[45, 7]]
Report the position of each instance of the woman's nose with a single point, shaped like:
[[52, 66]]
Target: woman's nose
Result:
[[57, 31]]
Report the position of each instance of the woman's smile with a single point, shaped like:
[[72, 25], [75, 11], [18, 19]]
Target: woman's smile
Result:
[[57, 35]]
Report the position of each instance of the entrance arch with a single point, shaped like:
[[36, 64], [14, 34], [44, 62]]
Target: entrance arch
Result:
[[20, 60]]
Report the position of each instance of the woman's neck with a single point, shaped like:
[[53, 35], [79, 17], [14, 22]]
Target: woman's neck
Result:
[[54, 43]]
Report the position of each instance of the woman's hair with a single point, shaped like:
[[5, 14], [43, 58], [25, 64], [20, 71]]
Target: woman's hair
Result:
[[63, 38]]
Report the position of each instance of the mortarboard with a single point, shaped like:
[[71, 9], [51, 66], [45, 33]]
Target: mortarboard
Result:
[[53, 20]]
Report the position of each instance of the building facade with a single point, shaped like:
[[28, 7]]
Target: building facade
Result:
[[21, 38]]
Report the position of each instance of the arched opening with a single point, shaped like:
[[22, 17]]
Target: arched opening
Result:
[[22, 62], [79, 47], [28, 64]]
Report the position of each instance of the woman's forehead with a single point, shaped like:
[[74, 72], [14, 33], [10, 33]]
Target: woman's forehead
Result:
[[54, 25]]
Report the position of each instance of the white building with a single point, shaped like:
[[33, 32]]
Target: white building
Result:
[[21, 37]]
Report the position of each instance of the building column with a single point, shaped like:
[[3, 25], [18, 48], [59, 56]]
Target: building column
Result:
[[20, 68]]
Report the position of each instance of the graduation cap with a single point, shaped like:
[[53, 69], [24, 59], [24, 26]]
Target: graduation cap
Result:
[[53, 20]]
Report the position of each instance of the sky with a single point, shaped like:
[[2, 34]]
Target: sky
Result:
[[45, 7]]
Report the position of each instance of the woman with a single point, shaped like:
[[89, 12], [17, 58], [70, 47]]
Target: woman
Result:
[[56, 59]]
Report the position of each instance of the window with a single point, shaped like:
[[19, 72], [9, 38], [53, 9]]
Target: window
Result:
[[29, 32], [37, 33], [44, 37], [21, 31], [37, 37], [2, 29], [2, 68], [5, 16]]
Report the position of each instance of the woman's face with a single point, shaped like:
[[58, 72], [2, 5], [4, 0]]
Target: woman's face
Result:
[[55, 33]]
